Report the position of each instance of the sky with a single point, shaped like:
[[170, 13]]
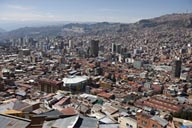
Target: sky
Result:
[[17, 13]]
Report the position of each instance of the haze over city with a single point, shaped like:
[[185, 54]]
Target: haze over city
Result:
[[18, 13], [95, 63]]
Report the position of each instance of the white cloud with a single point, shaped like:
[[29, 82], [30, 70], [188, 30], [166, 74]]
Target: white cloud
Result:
[[25, 16], [50, 15], [109, 10], [3, 18], [17, 12], [40, 16], [18, 7], [24, 13]]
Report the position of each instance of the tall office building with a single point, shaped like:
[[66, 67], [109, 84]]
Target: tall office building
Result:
[[20, 55], [113, 48], [94, 48], [189, 49], [70, 44], [62, 45], [118, 48], [20, 41], [176, 68]]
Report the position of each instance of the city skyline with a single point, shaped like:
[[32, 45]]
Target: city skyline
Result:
[[96, 64], [33, 11]]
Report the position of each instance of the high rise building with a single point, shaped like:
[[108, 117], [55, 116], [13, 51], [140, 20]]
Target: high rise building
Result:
[[70, 44], [189, 49], [118, 48], [20, 42], [113, 48], [94, 48], [176, 68], [62, 45], [20, 55]]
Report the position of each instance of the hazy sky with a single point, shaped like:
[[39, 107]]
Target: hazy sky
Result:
[[88, 10]]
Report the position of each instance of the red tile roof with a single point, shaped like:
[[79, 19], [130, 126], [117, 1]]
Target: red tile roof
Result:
[[62, 101], [50, 82], [69, 111], [105, 95]]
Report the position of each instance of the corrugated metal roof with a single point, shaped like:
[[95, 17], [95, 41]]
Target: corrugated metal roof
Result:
[[67, 122], [5, 107], [160, 120], [51, 113], [18, 105], [13, 122], [109, 126], [86, 122], [107, 120], [108, 109]]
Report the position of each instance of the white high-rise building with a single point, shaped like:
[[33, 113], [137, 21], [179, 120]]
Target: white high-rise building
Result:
[[70, 44]]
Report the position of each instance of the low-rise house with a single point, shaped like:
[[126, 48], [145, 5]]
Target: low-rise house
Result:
[[50, 86], [159, 103], [69, 111], [72, 122], [108, 109], [127, 122], [83, 109], [106, 95], [145, 120]]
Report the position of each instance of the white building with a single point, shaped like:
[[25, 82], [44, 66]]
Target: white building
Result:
[[75, 83], [127, 122]]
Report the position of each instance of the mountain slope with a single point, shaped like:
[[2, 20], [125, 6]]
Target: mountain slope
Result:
[[164, 23]]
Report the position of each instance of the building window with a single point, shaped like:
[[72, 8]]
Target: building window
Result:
[[154, 126], [128, 125], [144, 123]]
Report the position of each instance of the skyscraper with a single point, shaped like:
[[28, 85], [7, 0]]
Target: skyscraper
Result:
[[20, 42], [113, 48], [176, 68], [94, 48], [70, 44], [118, 48], [20, 55]]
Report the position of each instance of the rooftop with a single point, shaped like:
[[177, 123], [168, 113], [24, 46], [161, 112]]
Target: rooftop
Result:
[[74, 79], [160, 120], [7, 121]]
